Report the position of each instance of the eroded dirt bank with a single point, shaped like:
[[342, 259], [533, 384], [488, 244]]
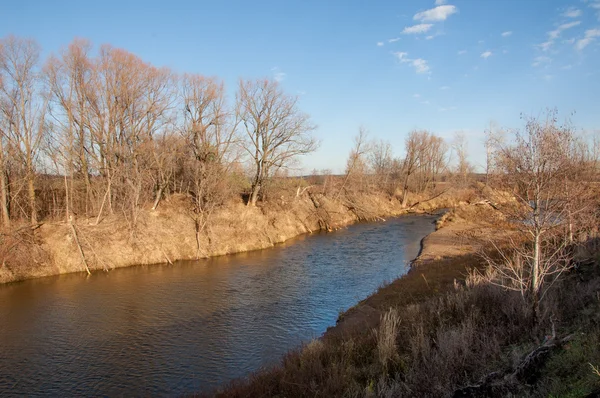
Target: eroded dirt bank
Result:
[[169, 233]]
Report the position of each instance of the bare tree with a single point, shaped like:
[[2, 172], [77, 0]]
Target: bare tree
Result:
[[461, 148], [356, 163], [381, 161], [276, 130], [538, 168], [23, 107], [209, 130]]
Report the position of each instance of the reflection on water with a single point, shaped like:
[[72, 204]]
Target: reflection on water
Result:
[[171, 330]]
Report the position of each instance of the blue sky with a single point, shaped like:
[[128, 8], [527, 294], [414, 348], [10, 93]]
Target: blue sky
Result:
[[391, 66]]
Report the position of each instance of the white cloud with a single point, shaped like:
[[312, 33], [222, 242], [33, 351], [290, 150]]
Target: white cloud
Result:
[[430, 37], [400, 55], [486, 54], [572, 12], [393, 40], [555, 34], [421, 66], [417, 29], [439, 13], [461, 52], [596, 6], [416, 95], [541, 60], [545, 46], [426, 102], [590, 36], [507, 33], [278, 75], [445, 88], [440, 2], [379, 44]]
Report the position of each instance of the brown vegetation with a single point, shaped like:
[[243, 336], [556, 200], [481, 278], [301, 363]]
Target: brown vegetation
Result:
[[444, 330], [100, 151]]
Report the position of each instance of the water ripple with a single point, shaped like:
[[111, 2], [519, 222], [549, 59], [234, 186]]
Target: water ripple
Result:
[[172, 330]]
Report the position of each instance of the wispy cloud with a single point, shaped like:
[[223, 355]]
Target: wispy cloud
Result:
[[395, 39], [589, 37], [445, 88], [416, 95], [417, 29], [572, 12], [421, 66], [461, 52], [379, 44], [439, 13], [541, 60], [507, 33], [595, 4], [555, 34], [278, 75], [440, 2], [486, 54]]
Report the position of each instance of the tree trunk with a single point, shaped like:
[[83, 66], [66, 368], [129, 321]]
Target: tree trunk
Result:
[[31, 194], [256, 185], [535, 275], [4, 196], [254, 195], [158, 197]]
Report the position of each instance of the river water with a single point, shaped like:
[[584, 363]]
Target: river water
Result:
[[190, 327]]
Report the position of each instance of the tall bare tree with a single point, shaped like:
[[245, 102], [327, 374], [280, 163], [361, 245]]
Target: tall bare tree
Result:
[[540, 168], [23, 107], [209, 130], [276, 131], [461, 148]]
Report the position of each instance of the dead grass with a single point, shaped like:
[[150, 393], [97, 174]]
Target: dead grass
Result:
[[435, 346]]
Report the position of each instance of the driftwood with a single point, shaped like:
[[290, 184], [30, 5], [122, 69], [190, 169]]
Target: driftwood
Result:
[[501, 383], [485, 202], [74, 231], [427, 200]]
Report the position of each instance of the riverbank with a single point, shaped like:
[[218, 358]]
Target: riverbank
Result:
[[169, 233], [441, 330]]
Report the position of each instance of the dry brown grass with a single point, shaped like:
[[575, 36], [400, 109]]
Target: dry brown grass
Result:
[[430, 347]]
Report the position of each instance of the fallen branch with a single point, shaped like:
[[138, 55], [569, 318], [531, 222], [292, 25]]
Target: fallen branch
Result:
[[433, 197], [501, 383], [79, 246]]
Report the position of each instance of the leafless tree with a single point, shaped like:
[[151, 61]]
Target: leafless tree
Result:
[[381, 161], [425, 158], [540, 167], [276, 130], [23, 107], [209, 130], [356, 165], [460, 146]]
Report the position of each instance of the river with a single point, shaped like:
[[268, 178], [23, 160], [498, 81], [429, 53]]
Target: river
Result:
[[173, 330]]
